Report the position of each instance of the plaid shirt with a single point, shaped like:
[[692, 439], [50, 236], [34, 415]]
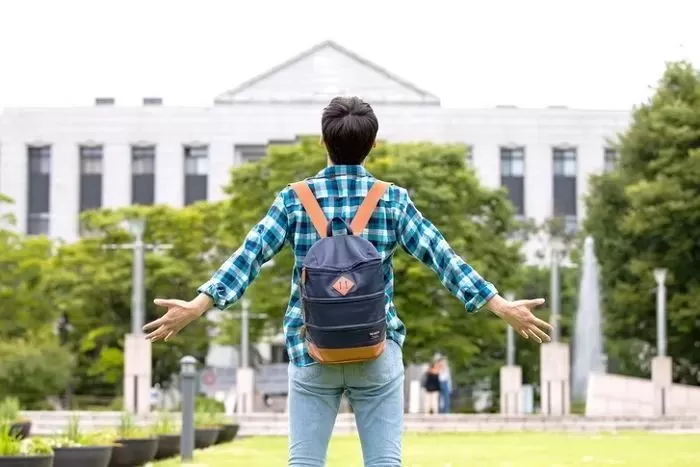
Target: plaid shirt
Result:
[[340, 190]]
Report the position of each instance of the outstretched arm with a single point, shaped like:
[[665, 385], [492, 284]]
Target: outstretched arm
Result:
[[231, 280], [419, 237], [422, 240]]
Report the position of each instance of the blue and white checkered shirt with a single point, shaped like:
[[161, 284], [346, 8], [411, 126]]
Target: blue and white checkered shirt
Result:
[[395, 222]]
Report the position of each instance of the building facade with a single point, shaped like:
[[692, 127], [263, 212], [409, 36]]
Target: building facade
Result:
[[56, 163]]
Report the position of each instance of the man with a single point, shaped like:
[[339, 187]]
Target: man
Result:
[[374, 388]]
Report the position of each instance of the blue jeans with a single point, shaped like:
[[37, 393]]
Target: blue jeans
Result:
[[375, 390], [444, 397]]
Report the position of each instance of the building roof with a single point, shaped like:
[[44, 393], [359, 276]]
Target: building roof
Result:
[[323, 72]]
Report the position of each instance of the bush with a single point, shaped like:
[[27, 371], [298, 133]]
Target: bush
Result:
[[32, 371]]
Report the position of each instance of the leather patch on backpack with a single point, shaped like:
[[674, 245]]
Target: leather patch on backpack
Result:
[[343, 285]]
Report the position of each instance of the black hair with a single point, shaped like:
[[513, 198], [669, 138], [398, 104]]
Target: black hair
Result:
[[349, 129]]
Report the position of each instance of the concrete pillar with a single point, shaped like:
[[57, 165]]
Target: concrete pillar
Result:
[[414, 397], [245, 390], [662, 379], [555, 379], [511, 390], [137, 374]]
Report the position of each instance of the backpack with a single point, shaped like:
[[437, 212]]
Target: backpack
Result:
[[342, 285]]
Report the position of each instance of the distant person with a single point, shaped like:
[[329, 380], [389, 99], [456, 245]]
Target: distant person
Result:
[[431, 387], [445, 386], [368, 338]]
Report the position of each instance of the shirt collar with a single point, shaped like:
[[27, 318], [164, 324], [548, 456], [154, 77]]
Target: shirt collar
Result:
[[339, 170]]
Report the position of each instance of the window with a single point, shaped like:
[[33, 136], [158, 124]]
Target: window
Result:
[[196, 160], [196, 171], [38, 223], [90, 160], [564, 162], [512, 162], [564, 186], [250, 152], [512, 176], [38, 189], [90, 177], [39, 159], [610, 159], [143, 160]]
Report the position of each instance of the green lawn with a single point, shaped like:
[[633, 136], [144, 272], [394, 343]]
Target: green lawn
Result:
[[489, 450]]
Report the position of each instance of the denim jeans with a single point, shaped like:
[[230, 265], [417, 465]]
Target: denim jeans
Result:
[[375, 390], [445, 397]]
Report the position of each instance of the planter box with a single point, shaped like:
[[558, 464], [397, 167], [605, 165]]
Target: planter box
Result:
[[205, 437], [228, 433], [26, 461], [133, 452], [21, 428], [83, 456], [168, 446]]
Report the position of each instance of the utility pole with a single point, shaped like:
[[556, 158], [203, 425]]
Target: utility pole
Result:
[[137, 350]]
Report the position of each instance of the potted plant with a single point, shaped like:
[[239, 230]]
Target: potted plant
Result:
[[168, 432], [9, 413], [29, 452], [206, 429], [74, 448], [229, 429], [135, 445]]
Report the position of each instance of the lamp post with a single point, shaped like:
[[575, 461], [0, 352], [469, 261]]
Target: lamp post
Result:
[[660, 277], [62, 329], [510, 337], [137, 350], [556, 250], [188, 375]]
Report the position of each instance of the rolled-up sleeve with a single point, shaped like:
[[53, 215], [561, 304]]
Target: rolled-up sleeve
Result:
[[422, 240], [262, 242]]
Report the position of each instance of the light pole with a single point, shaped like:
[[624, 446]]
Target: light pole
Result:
[[188, 374], [660, 276], [556, 248], [510, 337], [137, 350]]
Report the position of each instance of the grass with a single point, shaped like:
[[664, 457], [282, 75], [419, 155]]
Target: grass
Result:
[[478, 449]]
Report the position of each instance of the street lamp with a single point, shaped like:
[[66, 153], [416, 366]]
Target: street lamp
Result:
[[188, 375], [510, 337], [660, 277], [136, 227], [556, 250]]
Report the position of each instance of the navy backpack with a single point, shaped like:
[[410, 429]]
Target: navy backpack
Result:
[[342, 285]]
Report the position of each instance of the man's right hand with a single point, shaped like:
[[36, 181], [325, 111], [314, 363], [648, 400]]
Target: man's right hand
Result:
[[178, 315], [518, 314]]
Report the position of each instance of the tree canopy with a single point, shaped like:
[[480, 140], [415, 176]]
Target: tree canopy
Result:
[[646, 215]]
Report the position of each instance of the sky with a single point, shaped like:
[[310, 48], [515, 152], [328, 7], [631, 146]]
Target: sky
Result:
[[471, 53]]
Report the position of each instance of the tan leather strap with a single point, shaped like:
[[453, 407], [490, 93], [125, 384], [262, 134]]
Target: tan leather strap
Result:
[[364, 212], [313, 209]]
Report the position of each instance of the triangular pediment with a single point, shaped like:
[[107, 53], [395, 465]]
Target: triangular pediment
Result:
[[323, 72]]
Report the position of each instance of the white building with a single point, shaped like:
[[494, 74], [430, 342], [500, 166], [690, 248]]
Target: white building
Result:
[[55, 163]]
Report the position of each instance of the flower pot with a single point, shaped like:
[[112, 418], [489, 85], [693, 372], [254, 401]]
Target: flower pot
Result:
[[82, 456], [228, 433], [133, 452], [21, 428], [205, 437], [168, 446], [27, 461]]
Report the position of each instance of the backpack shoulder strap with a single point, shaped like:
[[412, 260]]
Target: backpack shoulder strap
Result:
[[310, 204], [364, 212]]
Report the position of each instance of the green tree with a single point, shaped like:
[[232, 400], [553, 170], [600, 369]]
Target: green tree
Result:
[[646, 215], [476, 221], [23, 261], [33, 368], [92, 285]]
